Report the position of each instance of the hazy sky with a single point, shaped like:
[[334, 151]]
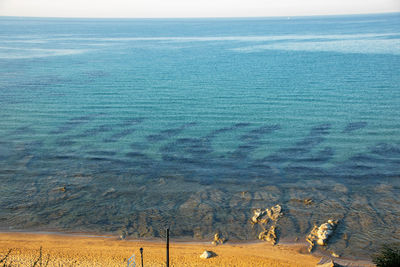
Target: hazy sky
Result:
[[192, 8]]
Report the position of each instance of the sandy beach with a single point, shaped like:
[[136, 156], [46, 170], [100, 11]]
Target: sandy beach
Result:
[[70, 250]]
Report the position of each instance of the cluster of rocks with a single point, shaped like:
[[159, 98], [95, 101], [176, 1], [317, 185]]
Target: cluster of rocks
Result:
[[262, 218], [320, 235]]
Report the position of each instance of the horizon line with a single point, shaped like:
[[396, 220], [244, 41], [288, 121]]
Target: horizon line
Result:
[[221, 17]]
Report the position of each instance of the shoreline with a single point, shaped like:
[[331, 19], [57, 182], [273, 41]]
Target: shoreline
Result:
[[77, 249]]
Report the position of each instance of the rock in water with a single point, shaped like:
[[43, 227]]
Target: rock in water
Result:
[[62, 188], [335, 255], [218, 239], [326, 263], [311, 238], [307, 201], [206, 254], [262, 216], [325, 231], [268, 235], [275, 212], [321, 234], [258, 213]]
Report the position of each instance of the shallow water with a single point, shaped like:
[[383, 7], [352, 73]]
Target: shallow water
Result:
[[193, 123]]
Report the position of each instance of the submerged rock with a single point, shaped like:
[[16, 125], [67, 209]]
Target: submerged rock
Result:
[[62, 188], [109, 191], [262, 216], [305, 201]]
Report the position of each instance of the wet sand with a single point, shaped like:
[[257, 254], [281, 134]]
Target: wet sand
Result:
[[70, 250]]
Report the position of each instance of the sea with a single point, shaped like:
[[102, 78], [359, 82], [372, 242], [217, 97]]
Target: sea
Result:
[[129, 126]]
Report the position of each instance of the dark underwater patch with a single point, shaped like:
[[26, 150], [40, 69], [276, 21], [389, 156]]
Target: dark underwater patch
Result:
[[303, 171], [141, 162], [34, 145], [92, 75], [321, 129], [366, 159], [324, 155], [65, 142], [63, 157], [98, 159], [138, 146], [353, 126], [310, 142], [135, 155], [94, 131], [131, 122], [286, 155], [189, 124], [245, 150], [72, 123], [115, 137], [231, 128], [241, 125], [386, 150], [177, 159], [298, 152], [164, 135], [23, 130], [266, 129], [168, 133], [259, 132], [101, 153], [196, 147]]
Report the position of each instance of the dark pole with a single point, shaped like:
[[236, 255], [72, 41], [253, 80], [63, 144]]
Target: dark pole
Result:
[[141, 255], [168, 247]]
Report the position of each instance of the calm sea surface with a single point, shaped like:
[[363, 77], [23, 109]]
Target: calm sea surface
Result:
[[193, 123]]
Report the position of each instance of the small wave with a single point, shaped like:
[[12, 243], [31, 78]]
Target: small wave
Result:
[[376, 46], [25, 41], [23, 53], [260, 38]]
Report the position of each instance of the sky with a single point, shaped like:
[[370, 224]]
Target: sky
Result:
[[192, 8]]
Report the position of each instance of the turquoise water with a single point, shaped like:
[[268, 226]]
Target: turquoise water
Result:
[[192, 123]]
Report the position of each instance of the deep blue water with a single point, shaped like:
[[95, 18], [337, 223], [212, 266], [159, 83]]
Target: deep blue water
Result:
[[194, 122]]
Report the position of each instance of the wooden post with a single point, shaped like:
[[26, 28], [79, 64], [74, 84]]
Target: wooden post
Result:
[[167, 247], [141, 255]]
